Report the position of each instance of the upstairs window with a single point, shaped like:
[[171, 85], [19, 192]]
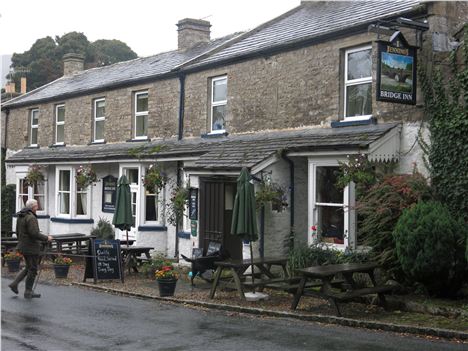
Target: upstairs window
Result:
[[141, 115], [358, 83], [99, 119], [218, 104], [34, 127], [60, 124]]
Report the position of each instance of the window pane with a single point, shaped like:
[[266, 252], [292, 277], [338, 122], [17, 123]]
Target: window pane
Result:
[[331, 224], [359, 64], [60, 133], [99, 130], [61, 114], [151, 208], [327, 192], [81, 203], [219, 90], [218, 117], [142, 102], [38, 188], [132, 175], [359, 100], [64, 184], [134, 197], [100, 108], [40, 202], [33, 136], [141, 126], [64, 203], [34, 118], [23, 188]]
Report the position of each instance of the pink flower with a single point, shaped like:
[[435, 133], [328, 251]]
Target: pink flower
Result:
[[314, 228]]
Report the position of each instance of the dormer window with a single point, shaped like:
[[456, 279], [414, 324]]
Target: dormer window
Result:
[[218, 104], [34, 127], [358, 84]]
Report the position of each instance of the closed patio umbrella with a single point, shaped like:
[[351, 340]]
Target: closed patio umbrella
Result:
[[123, 218], [244, 217]]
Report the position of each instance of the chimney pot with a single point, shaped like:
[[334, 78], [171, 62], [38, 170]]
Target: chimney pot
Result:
[[192, 32], [23, 85], [72, 63]]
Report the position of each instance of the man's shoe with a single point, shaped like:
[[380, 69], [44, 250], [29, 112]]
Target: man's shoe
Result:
[[13, 288], [31, 295]]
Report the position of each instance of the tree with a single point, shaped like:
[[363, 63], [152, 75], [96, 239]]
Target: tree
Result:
[[43, 61]]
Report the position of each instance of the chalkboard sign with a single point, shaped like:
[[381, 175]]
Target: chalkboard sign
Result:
[[193, 203], [109, 191], [104, 260]]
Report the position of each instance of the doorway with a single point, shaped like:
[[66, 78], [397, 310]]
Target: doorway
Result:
[[216, 207]]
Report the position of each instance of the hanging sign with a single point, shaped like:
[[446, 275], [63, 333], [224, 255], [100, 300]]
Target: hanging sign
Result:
[[193, 228], [396, 71], [193, 203]]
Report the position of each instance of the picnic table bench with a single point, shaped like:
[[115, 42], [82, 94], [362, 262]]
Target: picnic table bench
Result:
[[326, 275], [237, 268], [73, 243], [131, 256]]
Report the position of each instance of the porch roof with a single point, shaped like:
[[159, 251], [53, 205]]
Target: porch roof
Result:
[[224, 152]]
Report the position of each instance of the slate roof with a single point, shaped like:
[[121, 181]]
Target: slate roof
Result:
[[306, 22], [227, 152], [116, 74]]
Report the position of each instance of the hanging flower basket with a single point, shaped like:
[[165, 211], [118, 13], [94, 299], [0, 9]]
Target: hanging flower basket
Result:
[[85, 176], [34, 175], [154, 179], [273, 193]]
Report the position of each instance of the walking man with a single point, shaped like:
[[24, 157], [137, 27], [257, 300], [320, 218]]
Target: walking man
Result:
[[29, 244]]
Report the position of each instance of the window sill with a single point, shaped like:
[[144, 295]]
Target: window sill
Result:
[[32, 147], [71, 220], [215, 135], [39, 216], [137, 140], [97, 142], [152, 228], [57, 145], [345, 123]]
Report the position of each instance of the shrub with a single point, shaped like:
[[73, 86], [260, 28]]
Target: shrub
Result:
[[103, 230], [8, 206], [430, 245], [379, 211]]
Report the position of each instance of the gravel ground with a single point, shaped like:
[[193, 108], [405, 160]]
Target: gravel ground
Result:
[[278, 301]]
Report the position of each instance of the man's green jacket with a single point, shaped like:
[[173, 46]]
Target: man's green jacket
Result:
[[27, 230]]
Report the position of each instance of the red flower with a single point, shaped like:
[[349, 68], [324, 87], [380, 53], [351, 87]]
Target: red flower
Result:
[[314, 228]]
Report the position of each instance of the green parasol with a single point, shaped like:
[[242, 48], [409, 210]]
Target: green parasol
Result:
[[123, 218]]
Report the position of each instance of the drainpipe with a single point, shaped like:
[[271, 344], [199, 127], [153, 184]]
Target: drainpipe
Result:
[[7, 115], [261, 249], [177, 228], [181, 106], [291, 187]]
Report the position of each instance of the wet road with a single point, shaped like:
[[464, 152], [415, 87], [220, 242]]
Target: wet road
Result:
[[71, 318]]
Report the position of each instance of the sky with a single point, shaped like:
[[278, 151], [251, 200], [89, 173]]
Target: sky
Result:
[[148, 27]]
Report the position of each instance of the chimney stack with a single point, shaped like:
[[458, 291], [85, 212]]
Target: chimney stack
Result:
[[10, 87], [191, 32], [23, 85], [72, 63]]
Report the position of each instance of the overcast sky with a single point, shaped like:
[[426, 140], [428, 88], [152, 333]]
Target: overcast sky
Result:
[[148, 27]]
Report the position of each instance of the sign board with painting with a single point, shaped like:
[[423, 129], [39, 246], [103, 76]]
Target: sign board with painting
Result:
[[193, 203], [396, 71], [109, 191]]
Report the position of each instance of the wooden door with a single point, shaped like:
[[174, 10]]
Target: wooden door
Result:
[[216, 200]]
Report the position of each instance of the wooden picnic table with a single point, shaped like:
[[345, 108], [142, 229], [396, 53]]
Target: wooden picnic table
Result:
[[131, 255], [239, 267], [73, 242], [328, 274]]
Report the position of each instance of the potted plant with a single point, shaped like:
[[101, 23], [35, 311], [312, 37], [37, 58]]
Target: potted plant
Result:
[[103, 230], [85, 176], [154, 179], [34, 175], [167, 278], [13, 260], [62, 266]]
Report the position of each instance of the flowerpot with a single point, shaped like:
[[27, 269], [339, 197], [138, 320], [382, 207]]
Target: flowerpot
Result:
[[167, 287], [13, 265], [61, 270]]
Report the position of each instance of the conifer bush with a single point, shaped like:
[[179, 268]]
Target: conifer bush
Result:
[[430, 245]]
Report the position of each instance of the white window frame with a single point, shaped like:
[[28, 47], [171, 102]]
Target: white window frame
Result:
[[30, 193], [139, 114], [217, 103], [134, 188], [73, 195], [160, 196], [98, 119], [352, 82], [348, 205], [61, 123], [34, 126]]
